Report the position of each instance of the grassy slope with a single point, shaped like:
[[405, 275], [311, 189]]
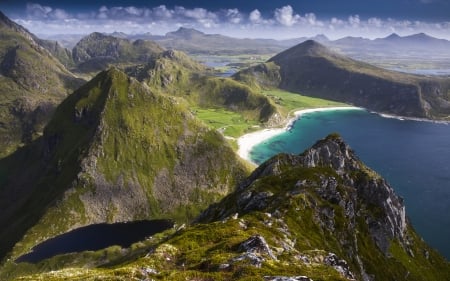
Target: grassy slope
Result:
[[291, 221], [233, 124], [33, 83], [175, 74]]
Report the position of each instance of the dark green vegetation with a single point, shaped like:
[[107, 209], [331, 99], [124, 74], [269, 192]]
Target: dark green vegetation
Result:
[[114, 151], [312, 69], [323, 215], [32, 83], [174, 73]]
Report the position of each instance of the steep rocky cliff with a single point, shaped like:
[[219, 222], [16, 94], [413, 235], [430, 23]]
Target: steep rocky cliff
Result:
[[321, 215]]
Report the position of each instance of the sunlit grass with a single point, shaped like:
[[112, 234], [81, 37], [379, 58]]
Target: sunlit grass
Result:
[[229, 123], [288, 101]]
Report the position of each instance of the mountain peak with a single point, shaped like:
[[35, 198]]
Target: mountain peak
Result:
[[420, 36], [307, 48], [4, 20], [393, 36], [332, 156], [186, 33]]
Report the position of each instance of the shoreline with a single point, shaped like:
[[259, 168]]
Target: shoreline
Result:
[[404, 118], [248, 141]]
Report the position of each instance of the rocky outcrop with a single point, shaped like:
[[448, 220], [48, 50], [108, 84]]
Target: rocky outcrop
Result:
[[326, 188], [367, 186]]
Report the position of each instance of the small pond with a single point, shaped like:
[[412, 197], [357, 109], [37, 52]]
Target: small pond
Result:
[[95, 237]]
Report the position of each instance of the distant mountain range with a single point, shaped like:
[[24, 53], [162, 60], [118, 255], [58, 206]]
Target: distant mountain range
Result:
[[188, 40]]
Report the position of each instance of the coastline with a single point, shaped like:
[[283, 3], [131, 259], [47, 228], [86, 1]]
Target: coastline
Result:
[[248, 141], [404, 118]]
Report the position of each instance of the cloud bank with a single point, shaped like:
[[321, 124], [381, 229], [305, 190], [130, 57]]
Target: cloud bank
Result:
[[283, 22]]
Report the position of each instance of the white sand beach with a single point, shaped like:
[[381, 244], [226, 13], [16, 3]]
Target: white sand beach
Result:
[[248, 141]]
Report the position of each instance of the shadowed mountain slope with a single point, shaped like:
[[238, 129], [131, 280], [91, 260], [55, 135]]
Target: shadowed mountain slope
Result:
[[312, 69], [32, 82]]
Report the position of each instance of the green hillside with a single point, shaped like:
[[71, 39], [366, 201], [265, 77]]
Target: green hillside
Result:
[[33, 83], [321, 215], [174, 73], [114, 151]]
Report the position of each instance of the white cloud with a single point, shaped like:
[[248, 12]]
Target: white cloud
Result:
[[354, 20], [255, 16], [234, 16], [311, 19], [376, 22], [44, 12], [161, 12], [284, 22], [285, 16]]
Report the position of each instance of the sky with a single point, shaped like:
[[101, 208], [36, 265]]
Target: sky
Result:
[[239, 18]]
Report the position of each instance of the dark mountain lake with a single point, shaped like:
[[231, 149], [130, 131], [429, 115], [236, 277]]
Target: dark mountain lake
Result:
[[414, 156], [96, 237]]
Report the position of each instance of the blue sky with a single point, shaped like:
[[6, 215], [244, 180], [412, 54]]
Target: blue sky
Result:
[[241, 18]]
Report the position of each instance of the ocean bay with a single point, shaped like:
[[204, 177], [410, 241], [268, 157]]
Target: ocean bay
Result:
[[412, 155]]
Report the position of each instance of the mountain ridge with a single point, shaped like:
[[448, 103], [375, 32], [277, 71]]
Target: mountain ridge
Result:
[[33, 83], [111, 153], [320, 215], [313, 69]]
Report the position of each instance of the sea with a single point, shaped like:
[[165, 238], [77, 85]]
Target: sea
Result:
[[414, 157]]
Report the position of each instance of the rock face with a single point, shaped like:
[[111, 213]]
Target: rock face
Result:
[[374, 191], [115, 151], [329, 194]]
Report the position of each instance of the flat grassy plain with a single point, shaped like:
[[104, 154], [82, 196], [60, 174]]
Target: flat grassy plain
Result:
[[288, 101], [233, 124]]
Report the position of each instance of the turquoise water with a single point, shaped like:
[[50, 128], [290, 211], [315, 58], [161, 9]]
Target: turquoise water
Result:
[[413, 156]]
